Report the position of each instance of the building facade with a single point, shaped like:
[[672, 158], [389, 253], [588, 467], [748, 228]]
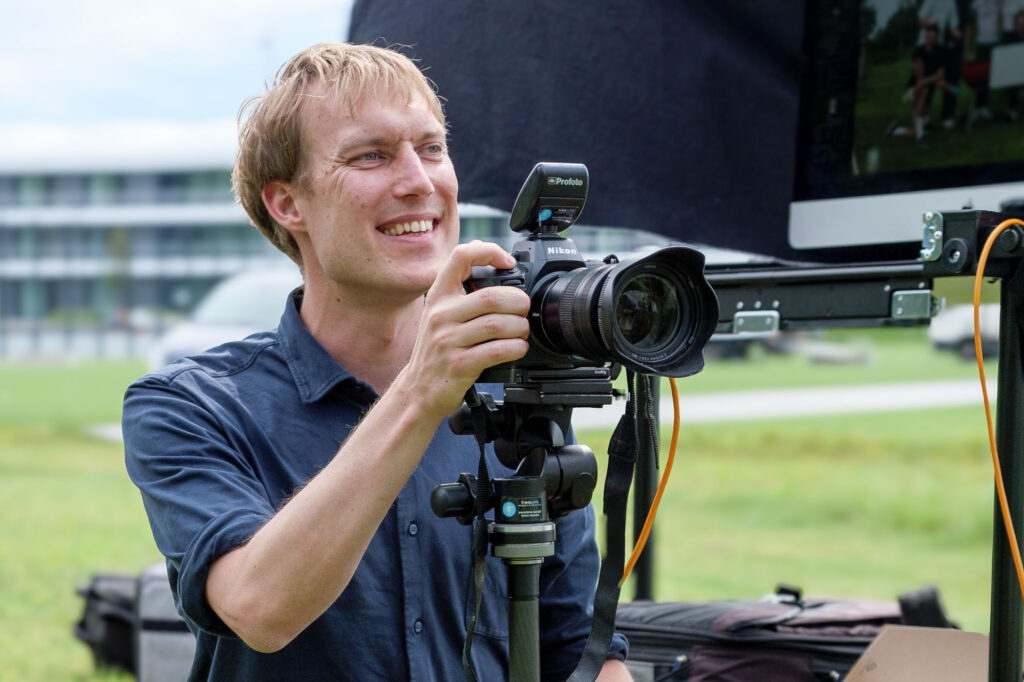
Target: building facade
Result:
[[100, 262]]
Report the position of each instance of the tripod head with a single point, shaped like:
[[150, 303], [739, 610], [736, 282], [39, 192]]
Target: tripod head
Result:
[[528, 430]]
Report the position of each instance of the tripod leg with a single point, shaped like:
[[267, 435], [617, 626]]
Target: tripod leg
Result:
[[1005, 632], [523, 621]]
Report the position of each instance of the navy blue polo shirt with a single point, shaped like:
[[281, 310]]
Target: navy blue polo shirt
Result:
[[217, 442]]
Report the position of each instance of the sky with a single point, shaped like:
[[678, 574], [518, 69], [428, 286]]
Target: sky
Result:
[[134, 77]]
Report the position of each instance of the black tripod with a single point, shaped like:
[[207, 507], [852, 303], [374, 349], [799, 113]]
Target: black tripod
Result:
[[550, 479]]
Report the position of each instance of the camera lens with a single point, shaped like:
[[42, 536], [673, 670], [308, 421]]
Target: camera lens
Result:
[[647, 312], [652, 315]]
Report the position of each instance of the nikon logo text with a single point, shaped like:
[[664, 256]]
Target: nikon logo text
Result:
[[574, 182], [560, 251]]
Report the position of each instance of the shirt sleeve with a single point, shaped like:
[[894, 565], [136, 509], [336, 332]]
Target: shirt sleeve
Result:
[[568, 582], [199, 489]]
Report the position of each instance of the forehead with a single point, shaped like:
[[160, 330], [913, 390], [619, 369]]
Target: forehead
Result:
[[375, 111]]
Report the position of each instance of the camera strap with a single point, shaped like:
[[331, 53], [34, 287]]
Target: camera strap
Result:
[[482, 503], [622, 456]]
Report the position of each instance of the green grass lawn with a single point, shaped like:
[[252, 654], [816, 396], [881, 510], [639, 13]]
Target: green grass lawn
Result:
[[67, 510], [864, 506], [861, 506], [867, 505]]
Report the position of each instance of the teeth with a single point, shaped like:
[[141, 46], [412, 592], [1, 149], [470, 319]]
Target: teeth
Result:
[[414, 226]]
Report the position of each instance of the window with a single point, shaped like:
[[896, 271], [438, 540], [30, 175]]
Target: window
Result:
[[138, 188], [10, 243], [68, 294], [8, 191], [145, 242], [102, 189], [68, 190], [50, 243], [210, 187], [32, 190], [10, 299], [171, 188]]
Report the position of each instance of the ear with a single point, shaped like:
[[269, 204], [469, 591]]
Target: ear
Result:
[[279, 198]]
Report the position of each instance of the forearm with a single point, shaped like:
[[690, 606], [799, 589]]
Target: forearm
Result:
[[614, 670], [294, 568]]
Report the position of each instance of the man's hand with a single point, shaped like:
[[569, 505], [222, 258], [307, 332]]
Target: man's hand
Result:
[[462, 334]]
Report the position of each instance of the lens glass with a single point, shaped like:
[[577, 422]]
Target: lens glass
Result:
[[647, 312]]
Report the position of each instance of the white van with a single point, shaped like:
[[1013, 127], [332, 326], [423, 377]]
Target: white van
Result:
[[243, 304], [953, 329]]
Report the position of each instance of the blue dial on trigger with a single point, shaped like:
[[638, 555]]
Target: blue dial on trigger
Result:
[[544, 215], [508, 509]]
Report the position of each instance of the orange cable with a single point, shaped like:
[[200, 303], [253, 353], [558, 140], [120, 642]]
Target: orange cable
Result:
[[1004, 506], [649, 522]]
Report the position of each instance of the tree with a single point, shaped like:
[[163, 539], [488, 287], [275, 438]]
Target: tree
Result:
[[898, 36]]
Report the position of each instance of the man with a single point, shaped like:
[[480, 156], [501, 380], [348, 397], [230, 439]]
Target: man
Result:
[[928, 74], [287, 476], [1014, 35], [944, 16], [1009, 9], [987, 37]]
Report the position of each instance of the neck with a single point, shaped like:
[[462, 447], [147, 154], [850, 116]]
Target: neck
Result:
[[371, 338]]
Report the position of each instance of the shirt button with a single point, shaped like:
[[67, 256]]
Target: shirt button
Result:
[[413, 529], [417, 627]]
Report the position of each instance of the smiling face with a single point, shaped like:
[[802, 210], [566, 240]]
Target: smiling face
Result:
[[376, 196]]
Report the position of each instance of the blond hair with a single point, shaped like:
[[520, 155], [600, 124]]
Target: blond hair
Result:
[[270, 132]]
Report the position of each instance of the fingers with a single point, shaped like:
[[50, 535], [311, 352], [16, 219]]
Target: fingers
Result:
[[467, 320], [502, 300], [490, 327], [460, 264], [477, 358]]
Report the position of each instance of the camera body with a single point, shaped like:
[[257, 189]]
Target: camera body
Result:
[[651, 313]]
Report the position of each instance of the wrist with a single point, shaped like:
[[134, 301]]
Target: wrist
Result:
[[423, 402]]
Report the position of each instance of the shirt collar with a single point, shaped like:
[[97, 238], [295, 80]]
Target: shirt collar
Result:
[[314, 370]]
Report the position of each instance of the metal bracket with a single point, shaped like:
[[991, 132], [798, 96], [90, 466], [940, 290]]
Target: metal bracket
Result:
[[913, 304], [756, 322], [931, 249]]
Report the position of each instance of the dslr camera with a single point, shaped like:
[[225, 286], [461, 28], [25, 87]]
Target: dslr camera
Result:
[[650, 313]]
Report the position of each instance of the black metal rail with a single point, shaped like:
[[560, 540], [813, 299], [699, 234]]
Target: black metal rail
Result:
[[759, 299]]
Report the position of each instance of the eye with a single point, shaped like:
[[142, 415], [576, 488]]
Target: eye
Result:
[[369, 156]]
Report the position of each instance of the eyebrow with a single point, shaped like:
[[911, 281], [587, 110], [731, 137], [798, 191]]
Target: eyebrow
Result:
[[383, 140]]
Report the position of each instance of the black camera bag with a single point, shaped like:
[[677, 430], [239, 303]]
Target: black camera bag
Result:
[[108, 620], [783, 638], [129, 622]]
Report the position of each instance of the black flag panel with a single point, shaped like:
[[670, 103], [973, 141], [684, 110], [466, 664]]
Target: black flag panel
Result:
[[684, 112]]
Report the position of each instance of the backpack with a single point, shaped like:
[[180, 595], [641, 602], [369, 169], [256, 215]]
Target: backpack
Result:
[[129, 622]]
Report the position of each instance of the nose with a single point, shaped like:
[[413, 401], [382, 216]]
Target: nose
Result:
[[411, 175]]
